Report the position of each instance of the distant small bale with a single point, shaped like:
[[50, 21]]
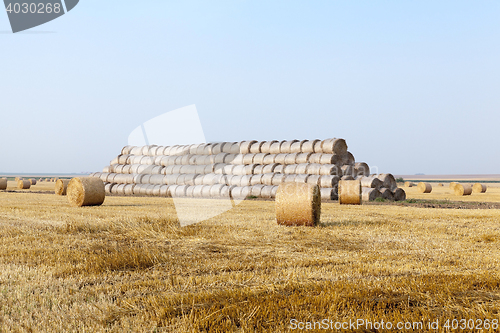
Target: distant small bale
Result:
[[399, 194], [440, 184], [408, 184], [62, 186], [86, 191], [3, 184], [23, 184], [33, 181], [424, 187], [298, 204], [350, 192], [463, 189], [479, 188]]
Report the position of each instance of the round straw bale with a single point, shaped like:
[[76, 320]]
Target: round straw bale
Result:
[[203, 169], [285, 147], [361, 169], [127, 169], [346, 159], [198, 190], [315, 158], [220, 158], [256, 190], [255, 147], [191, 149], [205, 191], [274, 191], [245, 180], [269, 168], [290, 169], [479, 188], [408, 184], [348, 170], [240, 193], [301, 178], [127, 149], [370, 194], [289, 178], [190, 191], [308, 146], [328, 181], [129, 189], [237, 159], [85, 191], [208, 149], [225, 192], [256, 180], [266, 146], [330, 169], [248, 158], [24, 184], [259, 169], [215, 190], [147, 160], [296, 147], [105, 169], [245, 146], [278, 178], [424, 187], [301, 168], [298, 204], [440, 184], [228, 169], [280, 158], [227, 147], [200, 149], [107, 188], [452, 185], [314, 179], [330, 159], [337, 146], [291, 158], [218, 148], [388, 180], [171, 179], [265, 192], [234, 148], [317, 147], [176, 169], [349, 192], [136, 151], [180, 191], [279, 168], [267, 179], [239, 170], [463, 189], [233, 180], [164, 191], [3, 184], [33, 181], [269, 159], [149, 188], [371, 182], [145, 179], [314, 169], [302, 158], [327, 194], [386, 194], [259, 158], [190, 179], [399, 194]]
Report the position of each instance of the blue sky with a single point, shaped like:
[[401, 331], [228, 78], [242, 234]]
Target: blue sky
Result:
[[412, 86]]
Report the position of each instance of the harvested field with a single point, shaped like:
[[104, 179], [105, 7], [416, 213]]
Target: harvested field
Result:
[[128, 266]]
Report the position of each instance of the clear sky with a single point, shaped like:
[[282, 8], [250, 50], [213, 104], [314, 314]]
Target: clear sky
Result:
[[413, 86]]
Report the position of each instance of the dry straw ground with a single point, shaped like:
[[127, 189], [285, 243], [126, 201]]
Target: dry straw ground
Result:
[[126, 266]]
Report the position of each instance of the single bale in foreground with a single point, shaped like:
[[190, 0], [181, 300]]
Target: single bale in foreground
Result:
[[424, 187], [3, 184], [23, 184], [479, 188], [350, 192], [86, 191], [463, 189], [298, 204], [62, 186]]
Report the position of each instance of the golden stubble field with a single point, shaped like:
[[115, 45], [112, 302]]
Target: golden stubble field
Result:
[[128, 267]]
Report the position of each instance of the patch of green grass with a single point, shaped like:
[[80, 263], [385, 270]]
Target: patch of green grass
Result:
[[380, 199]]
